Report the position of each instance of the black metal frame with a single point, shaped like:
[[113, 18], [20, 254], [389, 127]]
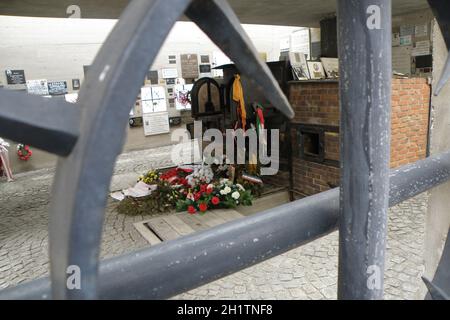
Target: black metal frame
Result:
[[77, 209]]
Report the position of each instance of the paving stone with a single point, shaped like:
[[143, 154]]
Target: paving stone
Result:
[[308, 272]]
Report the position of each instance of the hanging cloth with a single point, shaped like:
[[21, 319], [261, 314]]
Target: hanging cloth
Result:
[[260, 126], [4, 161], [259, 118], [238, 96]]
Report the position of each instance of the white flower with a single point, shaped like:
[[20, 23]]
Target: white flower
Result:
[[235, 195], [3, 143], [240, 187], [227, 190]]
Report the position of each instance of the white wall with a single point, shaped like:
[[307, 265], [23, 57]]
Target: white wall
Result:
[[57, 49]]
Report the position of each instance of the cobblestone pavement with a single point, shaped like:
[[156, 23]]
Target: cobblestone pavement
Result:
[[309, 272]]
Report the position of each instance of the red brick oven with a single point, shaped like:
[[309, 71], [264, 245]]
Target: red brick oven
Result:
[[315, 130]]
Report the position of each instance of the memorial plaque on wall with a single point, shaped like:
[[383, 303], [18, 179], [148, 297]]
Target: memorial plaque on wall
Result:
[[15, 77], [57, 88], [204, 58], [168, 73], [205, 68], [76, 84], [156, 123], [189, 66], [152, 75], [37, 87]]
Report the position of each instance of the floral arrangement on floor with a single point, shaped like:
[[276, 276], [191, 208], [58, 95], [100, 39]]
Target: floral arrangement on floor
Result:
[[193, 188], [24, 152], [224, 194]]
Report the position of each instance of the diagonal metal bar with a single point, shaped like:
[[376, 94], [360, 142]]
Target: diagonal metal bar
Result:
[[48, 124], [218, 21], [199, 258], [441, 10], [110, 89], [435, 292], [364, 31], [440, 286]]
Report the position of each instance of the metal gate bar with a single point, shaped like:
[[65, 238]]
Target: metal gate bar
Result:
[[173, 267], [52, 125], [82, 179], [364, 38]]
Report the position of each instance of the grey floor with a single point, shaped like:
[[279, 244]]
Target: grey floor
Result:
[[309, 272]]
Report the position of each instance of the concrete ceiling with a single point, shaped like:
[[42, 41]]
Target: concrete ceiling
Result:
[[272, 12]]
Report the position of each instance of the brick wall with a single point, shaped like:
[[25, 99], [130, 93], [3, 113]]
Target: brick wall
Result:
[[317, 103], [409, 120]]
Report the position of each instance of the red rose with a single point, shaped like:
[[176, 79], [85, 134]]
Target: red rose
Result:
[[192, 210], [215, 201], [203, 207], [209, 190], [197, 196], [203, 188]]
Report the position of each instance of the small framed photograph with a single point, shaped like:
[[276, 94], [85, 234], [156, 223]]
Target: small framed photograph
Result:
[[316, 71], [331, 66]]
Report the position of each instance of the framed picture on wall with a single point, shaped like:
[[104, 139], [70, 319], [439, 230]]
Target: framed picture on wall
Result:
[[316, 71], [299, 66], [331, 66]]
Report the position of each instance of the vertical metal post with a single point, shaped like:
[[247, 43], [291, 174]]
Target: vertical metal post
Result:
[[364, 37]]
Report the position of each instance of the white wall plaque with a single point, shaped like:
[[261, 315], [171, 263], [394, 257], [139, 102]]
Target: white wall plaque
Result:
[[156, 123]]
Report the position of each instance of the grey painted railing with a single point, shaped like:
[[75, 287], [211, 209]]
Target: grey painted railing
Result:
[[112, 83]]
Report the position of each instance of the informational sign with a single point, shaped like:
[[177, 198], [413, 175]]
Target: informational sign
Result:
[[421, 30], [422, 48], [189, 66], [57, 88], [169, 73], [15, 77], [405, 40], [37, 87], [300, 42], [156, 123]]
